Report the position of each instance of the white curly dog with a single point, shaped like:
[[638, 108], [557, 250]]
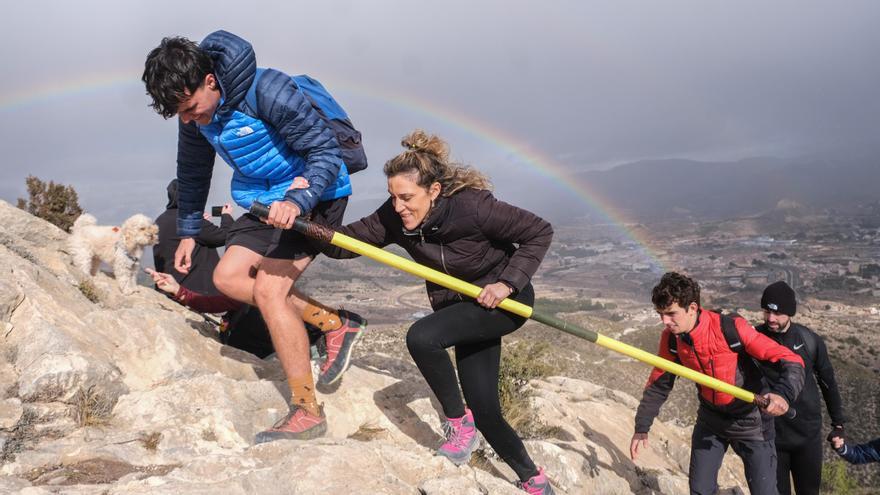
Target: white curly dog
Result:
[[119, 247]]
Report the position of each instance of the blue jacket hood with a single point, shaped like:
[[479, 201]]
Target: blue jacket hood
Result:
[[235, 66]]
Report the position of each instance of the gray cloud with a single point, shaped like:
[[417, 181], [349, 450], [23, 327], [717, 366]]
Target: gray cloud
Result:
[[590, 84]]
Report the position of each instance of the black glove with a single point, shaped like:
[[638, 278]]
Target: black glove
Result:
[[836, 432]]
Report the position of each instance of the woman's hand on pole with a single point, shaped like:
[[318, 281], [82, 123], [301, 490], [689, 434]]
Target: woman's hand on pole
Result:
[[493, 294]]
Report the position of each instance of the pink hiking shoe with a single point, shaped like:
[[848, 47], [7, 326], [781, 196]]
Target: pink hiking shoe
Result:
[[461, 438], [536, 485]]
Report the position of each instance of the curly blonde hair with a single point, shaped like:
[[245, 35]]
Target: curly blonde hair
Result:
[[427, 157]]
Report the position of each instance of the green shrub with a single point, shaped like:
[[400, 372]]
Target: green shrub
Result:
[[836, 479], [521, 362], [56, 203]]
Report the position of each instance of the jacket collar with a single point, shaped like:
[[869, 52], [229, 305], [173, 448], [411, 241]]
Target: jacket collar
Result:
[[433, 220], [235, 67]]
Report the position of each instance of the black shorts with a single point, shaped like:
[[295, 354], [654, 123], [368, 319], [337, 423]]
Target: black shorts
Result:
[[249, 232]]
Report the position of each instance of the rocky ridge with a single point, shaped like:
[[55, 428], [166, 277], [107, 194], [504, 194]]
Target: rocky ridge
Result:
[[131, 394]]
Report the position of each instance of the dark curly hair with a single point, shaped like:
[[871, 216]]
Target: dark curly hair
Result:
[[174, 69], [675, 288]]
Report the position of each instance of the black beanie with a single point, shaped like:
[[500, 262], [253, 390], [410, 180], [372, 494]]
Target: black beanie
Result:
[[779, 297]]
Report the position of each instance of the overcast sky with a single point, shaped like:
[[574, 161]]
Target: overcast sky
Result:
[[513, 85]]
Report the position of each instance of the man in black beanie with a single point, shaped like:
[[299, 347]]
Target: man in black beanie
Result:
[[799, 440]]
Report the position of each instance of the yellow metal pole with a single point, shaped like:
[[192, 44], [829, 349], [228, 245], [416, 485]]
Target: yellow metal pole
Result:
[[348, 243]]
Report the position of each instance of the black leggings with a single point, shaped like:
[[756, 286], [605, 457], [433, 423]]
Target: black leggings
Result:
[[476, 334]]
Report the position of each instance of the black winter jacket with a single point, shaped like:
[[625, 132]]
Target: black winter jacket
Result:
[[469, 235], [807, 424]]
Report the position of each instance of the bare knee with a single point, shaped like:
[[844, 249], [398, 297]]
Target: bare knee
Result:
[[224, 281], [270, 295]]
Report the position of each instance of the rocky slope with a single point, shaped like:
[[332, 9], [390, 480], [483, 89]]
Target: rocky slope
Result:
[[135, 394]]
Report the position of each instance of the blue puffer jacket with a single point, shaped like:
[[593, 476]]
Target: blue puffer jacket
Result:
[[267, 147], [861, 454]]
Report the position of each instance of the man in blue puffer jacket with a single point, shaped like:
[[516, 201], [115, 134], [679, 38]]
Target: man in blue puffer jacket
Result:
[[269, 146]]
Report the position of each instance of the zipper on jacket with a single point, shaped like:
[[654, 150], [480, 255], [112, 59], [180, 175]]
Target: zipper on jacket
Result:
[[443, 263], [443, 259], [712, 367], [703, 369]]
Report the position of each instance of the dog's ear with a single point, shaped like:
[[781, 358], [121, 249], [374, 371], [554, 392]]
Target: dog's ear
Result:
[[129, 239]]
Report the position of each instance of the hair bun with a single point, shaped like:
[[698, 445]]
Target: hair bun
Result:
[[421, 142]]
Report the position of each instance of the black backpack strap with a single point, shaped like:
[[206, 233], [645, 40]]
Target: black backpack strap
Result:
[[731, 335], [672, 344], [809, 340]]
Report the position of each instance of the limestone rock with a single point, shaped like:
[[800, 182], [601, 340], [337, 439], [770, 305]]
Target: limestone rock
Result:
[[135, 394]]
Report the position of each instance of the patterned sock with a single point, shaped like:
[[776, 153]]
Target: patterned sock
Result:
[[302, 394], [327, 319]]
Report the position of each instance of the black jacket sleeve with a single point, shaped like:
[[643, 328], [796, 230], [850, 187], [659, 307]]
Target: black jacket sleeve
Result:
[[503, 222], [211, 235], [827, 383]]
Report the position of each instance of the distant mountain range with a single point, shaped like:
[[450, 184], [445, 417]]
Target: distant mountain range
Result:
[[687, 189]]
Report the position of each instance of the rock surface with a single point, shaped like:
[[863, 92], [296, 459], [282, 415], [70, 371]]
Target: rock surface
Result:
[[134, 394]]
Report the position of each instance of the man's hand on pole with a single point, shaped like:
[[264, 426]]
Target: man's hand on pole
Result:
[[183, 255], [282, 214], [777, 406]]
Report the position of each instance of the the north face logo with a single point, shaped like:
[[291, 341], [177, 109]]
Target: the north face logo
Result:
[[244, 131]]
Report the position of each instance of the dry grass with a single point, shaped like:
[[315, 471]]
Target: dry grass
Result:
[[367, 432], [91, 408], [20, 436], [88, 289], [209, 435], [150, 441]]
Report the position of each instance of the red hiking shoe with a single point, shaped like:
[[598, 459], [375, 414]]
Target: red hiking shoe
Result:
[[299, 424], [340, 343]]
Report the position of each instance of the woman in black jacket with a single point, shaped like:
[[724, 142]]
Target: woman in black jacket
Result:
[[444, 216]]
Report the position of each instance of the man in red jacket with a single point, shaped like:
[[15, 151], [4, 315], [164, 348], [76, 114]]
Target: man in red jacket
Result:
[[725, 348]]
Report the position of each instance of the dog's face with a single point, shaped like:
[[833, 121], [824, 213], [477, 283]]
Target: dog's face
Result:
[[139, 230]]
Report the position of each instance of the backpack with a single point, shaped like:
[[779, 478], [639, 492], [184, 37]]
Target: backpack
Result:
[[349, 138]]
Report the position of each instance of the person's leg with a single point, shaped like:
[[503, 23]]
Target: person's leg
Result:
[[806, 467], [427, 340], [759, 461], [274, 279], [235, 276], [478, 370], [783, 471], [707, 453], [236, 272], [306, 418]]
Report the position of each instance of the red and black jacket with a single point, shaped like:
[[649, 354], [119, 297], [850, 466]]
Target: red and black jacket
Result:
[[705, 349]]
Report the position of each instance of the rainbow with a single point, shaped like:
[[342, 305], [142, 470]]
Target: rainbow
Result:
[[539, 162], [89, 84]]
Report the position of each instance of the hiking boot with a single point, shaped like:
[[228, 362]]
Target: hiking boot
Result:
[[340, 343], [461, 438], [536, 485], [299, 424]]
